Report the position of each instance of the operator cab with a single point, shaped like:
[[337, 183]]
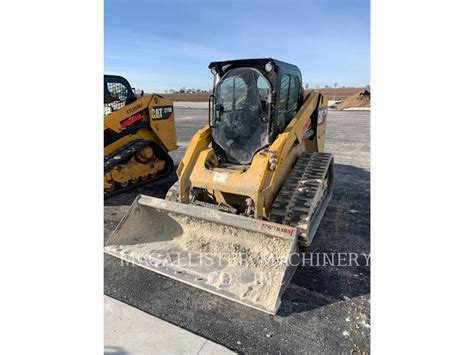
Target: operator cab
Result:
[[253, 101], [117, 93]]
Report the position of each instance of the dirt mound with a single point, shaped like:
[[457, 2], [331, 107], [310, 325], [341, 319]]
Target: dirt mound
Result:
[[360, 99]]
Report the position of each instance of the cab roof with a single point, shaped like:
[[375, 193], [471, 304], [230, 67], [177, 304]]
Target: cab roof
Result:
[[259, 63]]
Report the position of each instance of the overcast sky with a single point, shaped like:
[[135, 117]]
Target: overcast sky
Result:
[[167, 44]]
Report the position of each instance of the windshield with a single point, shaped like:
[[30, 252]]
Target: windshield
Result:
[[242, 99]]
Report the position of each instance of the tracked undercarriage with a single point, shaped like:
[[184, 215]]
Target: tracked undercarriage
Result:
[[304, 196], [135, 164]]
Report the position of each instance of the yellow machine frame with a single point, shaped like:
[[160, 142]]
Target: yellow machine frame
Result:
[[268, 169], [163, 131]]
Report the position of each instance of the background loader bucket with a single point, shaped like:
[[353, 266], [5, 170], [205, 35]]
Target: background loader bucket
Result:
[[243, 259]]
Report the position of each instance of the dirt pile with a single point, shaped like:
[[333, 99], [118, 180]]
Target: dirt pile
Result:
[[360, 99]]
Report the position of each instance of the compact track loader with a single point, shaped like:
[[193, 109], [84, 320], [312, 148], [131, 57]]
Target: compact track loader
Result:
[[138, 134], [253, 186]]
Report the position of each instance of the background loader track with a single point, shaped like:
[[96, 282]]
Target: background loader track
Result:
[[125, 152]]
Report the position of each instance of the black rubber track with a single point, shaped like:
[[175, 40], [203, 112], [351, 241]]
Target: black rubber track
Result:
[[296, 204]]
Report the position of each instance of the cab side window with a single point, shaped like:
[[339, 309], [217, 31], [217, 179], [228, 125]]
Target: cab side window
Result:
[[118, 91], [293, 97], [115, 97], [288, 103]]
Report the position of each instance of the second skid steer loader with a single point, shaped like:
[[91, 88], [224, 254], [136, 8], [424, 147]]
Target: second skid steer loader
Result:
[[253, 187], [139, 132]]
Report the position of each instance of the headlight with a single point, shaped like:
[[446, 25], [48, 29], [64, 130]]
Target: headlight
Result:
[[268, 67], [213, 71]]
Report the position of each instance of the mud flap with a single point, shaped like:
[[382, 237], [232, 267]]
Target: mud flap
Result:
[[243, 259]]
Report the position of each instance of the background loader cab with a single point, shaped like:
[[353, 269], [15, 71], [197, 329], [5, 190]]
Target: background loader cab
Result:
[[117, 93], [253, 101]]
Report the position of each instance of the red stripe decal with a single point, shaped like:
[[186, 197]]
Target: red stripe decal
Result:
[[130, 120]]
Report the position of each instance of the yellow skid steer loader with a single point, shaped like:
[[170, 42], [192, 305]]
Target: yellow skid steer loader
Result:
[[253, 186], [138, 134]]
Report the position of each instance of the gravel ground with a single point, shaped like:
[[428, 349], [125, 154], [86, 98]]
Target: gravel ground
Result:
[[325, 308]]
